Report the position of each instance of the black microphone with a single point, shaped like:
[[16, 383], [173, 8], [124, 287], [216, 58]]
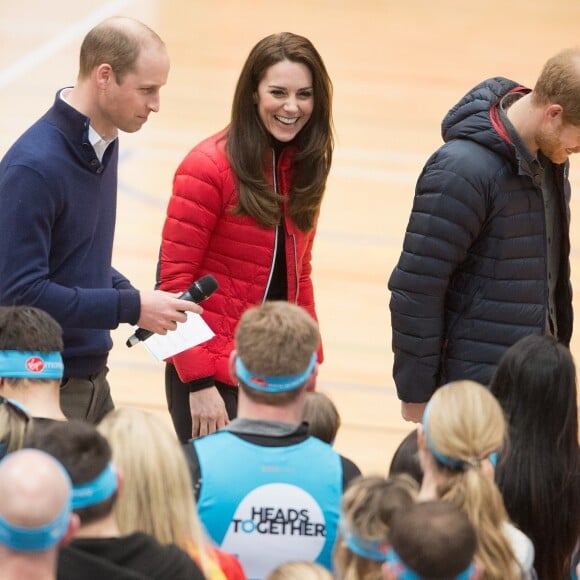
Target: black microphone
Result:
[[197, 292]]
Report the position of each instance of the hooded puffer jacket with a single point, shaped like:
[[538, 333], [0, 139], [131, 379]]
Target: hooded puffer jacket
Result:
[[471, 279], [201, 236]]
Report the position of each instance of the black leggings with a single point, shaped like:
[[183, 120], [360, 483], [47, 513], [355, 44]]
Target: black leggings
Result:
[[177, 394]]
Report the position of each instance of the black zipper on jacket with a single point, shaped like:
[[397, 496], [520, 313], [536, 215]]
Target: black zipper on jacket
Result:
[[276, 239], [275, 182]]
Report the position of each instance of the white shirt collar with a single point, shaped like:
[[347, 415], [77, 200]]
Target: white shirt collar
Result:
[[99, 144]]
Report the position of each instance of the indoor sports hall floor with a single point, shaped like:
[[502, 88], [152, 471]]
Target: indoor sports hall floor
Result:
[[397, 67]]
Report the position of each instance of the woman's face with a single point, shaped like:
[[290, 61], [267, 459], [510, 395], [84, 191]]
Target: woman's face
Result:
[[285, 99]]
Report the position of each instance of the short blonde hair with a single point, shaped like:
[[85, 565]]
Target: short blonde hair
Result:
[[559, 82], [117, 41], [276, 338]]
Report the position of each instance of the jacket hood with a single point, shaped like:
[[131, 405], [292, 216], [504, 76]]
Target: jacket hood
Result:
[[470, 117]]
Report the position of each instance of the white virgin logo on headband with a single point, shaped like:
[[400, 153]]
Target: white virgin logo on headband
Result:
[[35, 364]]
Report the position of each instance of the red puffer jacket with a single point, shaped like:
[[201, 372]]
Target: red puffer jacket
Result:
[[201, 236]]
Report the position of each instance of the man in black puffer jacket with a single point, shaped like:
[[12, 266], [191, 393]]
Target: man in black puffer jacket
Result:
[[485, 258]]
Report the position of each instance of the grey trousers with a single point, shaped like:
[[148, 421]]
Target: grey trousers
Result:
[[86, 398]]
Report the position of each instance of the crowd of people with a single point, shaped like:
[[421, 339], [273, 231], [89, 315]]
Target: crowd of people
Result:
[[481, 489], [248, 484]]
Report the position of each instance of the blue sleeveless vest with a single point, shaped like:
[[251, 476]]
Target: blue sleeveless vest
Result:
[[269, 505]]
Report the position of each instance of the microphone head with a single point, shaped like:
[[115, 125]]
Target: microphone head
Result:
[[203, 288]]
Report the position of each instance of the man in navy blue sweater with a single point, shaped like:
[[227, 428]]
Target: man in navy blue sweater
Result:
[[58, 197]]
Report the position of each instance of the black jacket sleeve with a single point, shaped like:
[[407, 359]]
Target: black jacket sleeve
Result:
[[448, 214]]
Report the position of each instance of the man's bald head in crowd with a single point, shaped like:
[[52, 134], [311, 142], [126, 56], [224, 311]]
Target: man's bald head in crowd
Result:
[[35, 503]]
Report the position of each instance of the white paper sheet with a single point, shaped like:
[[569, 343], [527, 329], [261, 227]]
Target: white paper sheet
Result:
[[187, 334]]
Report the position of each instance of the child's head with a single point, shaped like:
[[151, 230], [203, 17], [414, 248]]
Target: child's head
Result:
[[322, 416], [368, 506], [432, 539], [299, 571], [406, 458]]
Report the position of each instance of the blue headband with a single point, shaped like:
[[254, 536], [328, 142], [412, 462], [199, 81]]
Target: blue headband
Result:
[[26, 539], [369, 549], [452, 462], [35, 539], [16, 364], [97, 490], [403, 572], [273, 384]]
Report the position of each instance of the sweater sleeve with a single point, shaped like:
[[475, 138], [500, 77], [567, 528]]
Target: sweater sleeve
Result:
[[447, 216], [33, 262]]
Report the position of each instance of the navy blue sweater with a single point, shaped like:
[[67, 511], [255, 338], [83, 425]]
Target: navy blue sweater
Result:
[[57, 222]]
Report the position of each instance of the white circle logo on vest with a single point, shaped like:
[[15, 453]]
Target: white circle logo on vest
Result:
[[275, 523]]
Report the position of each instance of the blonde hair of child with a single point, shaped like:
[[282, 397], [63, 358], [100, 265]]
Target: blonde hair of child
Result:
[[465, 422]]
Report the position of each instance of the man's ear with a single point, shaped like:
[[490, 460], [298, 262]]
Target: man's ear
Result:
[[553, 110], [73, 526], [232, 366], [310, 384], [104, 76]]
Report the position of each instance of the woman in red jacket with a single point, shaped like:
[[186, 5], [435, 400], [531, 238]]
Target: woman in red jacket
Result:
[[244, 208]]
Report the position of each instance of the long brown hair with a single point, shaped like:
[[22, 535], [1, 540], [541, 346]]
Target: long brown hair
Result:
[[248, 141]]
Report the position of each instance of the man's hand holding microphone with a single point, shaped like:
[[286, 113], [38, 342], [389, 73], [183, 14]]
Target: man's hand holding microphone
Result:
[[161, 311]]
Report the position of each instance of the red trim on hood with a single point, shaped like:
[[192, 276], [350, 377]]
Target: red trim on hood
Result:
[[495, 119]]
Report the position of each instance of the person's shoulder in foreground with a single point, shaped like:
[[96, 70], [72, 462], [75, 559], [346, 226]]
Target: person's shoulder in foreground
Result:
[[139, 553]]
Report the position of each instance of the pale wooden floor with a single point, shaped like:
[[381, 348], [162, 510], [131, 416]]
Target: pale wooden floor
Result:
[[397, 68]]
